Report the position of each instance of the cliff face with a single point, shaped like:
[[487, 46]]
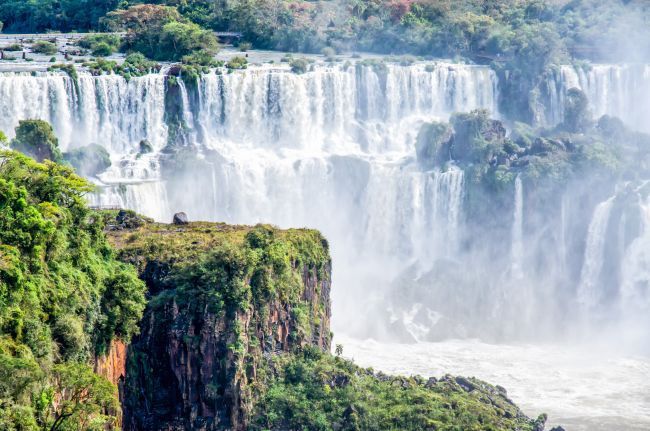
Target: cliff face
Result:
[[112, 366], [222, 299], [236, 336]]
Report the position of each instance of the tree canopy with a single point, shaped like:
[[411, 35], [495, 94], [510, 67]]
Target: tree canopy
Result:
[[63, 297]]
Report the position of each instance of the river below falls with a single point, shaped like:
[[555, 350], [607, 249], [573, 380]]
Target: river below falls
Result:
[[579, 388]]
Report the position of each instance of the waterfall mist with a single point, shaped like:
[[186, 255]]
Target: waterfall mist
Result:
[[419, 254]]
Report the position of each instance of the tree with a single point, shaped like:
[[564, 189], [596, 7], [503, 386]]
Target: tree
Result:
[[82, 395], [160, 33], [36, 139], [179, 39], [44, 47]]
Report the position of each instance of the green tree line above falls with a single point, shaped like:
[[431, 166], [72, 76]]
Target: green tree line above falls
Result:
[[520, 39], [531, 30]]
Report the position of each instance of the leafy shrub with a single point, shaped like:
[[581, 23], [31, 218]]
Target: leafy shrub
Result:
[[13, 47], [36, 139], [92, 41], [44, 47], [328, 52], [299, 65], [237, 62], [102, 49], [244, 46], [201, 58]]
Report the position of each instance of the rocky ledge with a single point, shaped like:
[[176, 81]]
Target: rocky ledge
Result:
[[236, 336]]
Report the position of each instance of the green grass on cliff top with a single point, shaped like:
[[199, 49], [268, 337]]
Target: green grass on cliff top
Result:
[[176, 244]]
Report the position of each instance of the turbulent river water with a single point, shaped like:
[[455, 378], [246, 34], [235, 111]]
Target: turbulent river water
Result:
[[580, 388], [334, 149]]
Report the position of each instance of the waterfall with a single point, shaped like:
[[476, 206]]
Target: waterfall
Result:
[[588, 290], [635, 286], [333, 149], [337, 109], [618, 90], [188, 118], [447, 204], [517, 247]]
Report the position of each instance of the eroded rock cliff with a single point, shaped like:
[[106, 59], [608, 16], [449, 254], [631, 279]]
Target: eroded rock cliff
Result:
[[222, 298]]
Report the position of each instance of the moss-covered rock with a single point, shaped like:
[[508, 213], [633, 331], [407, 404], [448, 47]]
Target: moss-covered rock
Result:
[[90, 160], [222, 297], [433, 144], [477, 138]]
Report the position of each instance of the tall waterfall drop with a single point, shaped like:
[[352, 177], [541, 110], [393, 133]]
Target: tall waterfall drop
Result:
[[334, 149]]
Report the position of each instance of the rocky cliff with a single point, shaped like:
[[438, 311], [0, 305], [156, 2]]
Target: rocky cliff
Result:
[[236, 336], [222, 298]]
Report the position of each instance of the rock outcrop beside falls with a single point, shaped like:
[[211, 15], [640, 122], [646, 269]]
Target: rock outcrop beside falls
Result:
[[222, 298], [236, 336]]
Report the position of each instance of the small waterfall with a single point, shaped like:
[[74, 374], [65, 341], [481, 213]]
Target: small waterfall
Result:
[[517, 247], [635, 285], [611, 90], [588, 290], [146, 198], [188, 118], [447, 204]]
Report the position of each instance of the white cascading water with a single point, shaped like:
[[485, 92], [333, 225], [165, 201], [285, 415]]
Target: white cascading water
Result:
[[517, 248], [334, 149], [588, 289], [635, 289], [621, 91]]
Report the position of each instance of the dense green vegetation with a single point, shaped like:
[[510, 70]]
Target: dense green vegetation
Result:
[[101, 45], [317, 391], [577, 148], [533, 30], [254, 264], [36, 138], [160, 33], [63, 298]]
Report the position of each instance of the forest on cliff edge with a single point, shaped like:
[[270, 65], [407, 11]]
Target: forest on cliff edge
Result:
[[534, 30]]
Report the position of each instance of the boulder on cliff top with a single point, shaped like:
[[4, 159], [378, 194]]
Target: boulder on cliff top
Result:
[[180, 218]]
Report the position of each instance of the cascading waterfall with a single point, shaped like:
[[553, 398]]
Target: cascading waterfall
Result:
[[618, 90], [588, 291], [333, 149], [517, 248], [635, 288], [106, 110], [188, 118]]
